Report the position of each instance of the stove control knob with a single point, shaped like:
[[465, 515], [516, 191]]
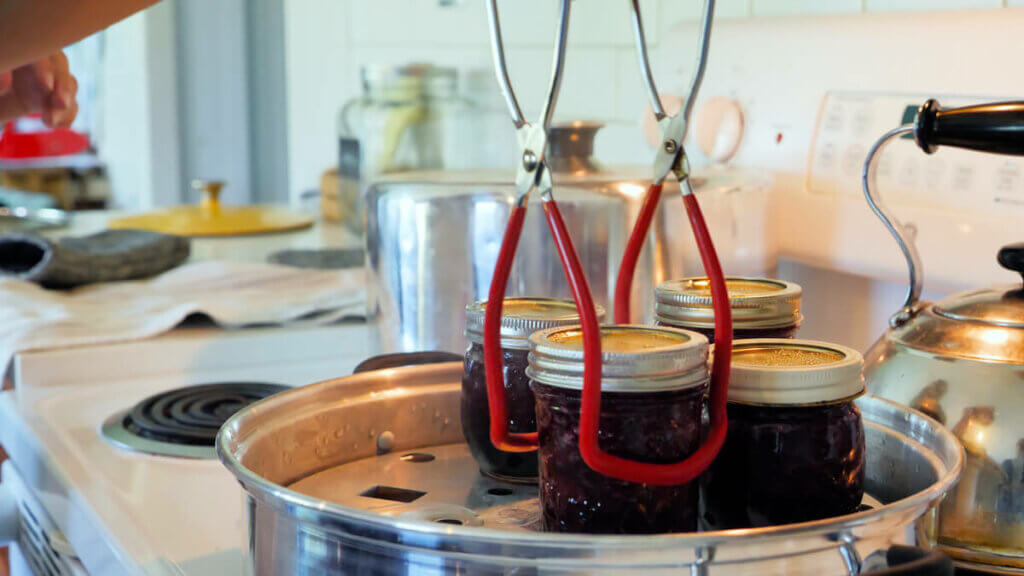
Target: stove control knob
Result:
[[719, 128], [10, 515]]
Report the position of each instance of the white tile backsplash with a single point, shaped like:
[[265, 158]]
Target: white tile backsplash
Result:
[[327, 41], [929, 5], [798, 7]]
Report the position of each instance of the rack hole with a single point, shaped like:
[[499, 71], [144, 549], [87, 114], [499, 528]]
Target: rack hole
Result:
[[454, 521], [501, 491], [393, 494], [417, 457]]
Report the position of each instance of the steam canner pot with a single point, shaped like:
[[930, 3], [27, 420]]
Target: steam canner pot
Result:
[[370, 474], [433, 238]]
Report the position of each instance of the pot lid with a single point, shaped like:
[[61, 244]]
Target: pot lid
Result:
[[985, 324], [633, 358], [783, 372], [211, 218], [755, 302], [999, 306], [521, 317]]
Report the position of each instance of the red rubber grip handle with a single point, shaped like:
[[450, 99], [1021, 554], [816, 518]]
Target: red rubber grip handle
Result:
[[691, 467], [627, 269], [493, 363]]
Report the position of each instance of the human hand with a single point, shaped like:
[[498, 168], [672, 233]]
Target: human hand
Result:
[[45, 87]]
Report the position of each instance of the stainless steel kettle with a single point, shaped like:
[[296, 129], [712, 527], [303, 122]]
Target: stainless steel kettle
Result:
[[961, 359]]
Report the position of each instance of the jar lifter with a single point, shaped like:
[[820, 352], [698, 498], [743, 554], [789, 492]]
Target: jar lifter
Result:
[[532, 174]]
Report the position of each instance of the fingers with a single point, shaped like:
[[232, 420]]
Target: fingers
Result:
[[62, 106], [33, 84], [64, 118], [46, 87], [43, 72]]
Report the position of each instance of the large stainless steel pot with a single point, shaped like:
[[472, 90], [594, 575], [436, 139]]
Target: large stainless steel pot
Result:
[[370, 475], [961, 359], [433, 238]]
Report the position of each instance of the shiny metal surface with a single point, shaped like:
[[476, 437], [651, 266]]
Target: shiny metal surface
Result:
[[432, 244], [532, 171], [961, 360], [521, 317], [634, 359], [903, 236], [433, 238], [306, 437], [18, 218], [432, 241], [982, 401], [755, 302], [670, 156]]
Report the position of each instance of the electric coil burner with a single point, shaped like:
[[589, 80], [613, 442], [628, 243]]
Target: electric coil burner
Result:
[[183, 422]]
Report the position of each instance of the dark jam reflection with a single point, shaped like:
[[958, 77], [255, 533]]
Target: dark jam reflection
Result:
[[660, 427], [785, 464], [476, 420]]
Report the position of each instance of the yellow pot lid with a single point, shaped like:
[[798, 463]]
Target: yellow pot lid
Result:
[[210, 218]]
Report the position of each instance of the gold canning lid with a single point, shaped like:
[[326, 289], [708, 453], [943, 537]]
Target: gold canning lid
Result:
[[521, 317], [755, 303], [784, 372], [633, 358], [211, 218]]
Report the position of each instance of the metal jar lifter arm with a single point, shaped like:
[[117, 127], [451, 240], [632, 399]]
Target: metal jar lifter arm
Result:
[[997, 128], [672, 130], [532, 174], [671, 158]]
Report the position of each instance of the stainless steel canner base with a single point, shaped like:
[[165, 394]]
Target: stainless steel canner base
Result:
[[369, 475]]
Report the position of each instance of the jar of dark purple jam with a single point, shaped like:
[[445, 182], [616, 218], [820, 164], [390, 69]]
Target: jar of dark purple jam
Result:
[[653, 384], [761, 307], [795, 447], [520, 317]]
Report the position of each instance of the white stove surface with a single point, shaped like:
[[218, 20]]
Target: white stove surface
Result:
[[130, 513]]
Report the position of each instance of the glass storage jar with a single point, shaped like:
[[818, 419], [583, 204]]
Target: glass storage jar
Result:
[[795, 447], [761, 307], [653, 384], [407, 117], [520, 317]]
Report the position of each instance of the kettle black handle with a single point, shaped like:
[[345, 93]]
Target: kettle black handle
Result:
[[1011, 257], [997, 127], [910, 561]]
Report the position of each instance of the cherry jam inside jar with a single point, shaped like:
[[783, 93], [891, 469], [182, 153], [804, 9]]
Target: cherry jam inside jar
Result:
[[795, 447], [761, 307], [653, 384], [520, 318]]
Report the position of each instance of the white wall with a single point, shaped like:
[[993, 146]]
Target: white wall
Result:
[[138, 124], [328, 40]]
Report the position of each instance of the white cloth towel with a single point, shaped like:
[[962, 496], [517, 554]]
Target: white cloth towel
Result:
[[232, 294]]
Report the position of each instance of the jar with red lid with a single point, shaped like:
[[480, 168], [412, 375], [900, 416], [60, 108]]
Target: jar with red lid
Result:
[[653, 384], [520, 317], [761, 307], [794, 451]]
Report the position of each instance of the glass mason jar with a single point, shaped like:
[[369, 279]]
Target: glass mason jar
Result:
[[409, 117], [653, 384], [520, 317], [761, 307], [795, 447]]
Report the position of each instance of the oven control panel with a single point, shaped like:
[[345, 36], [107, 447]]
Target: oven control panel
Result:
[[848, 125]]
